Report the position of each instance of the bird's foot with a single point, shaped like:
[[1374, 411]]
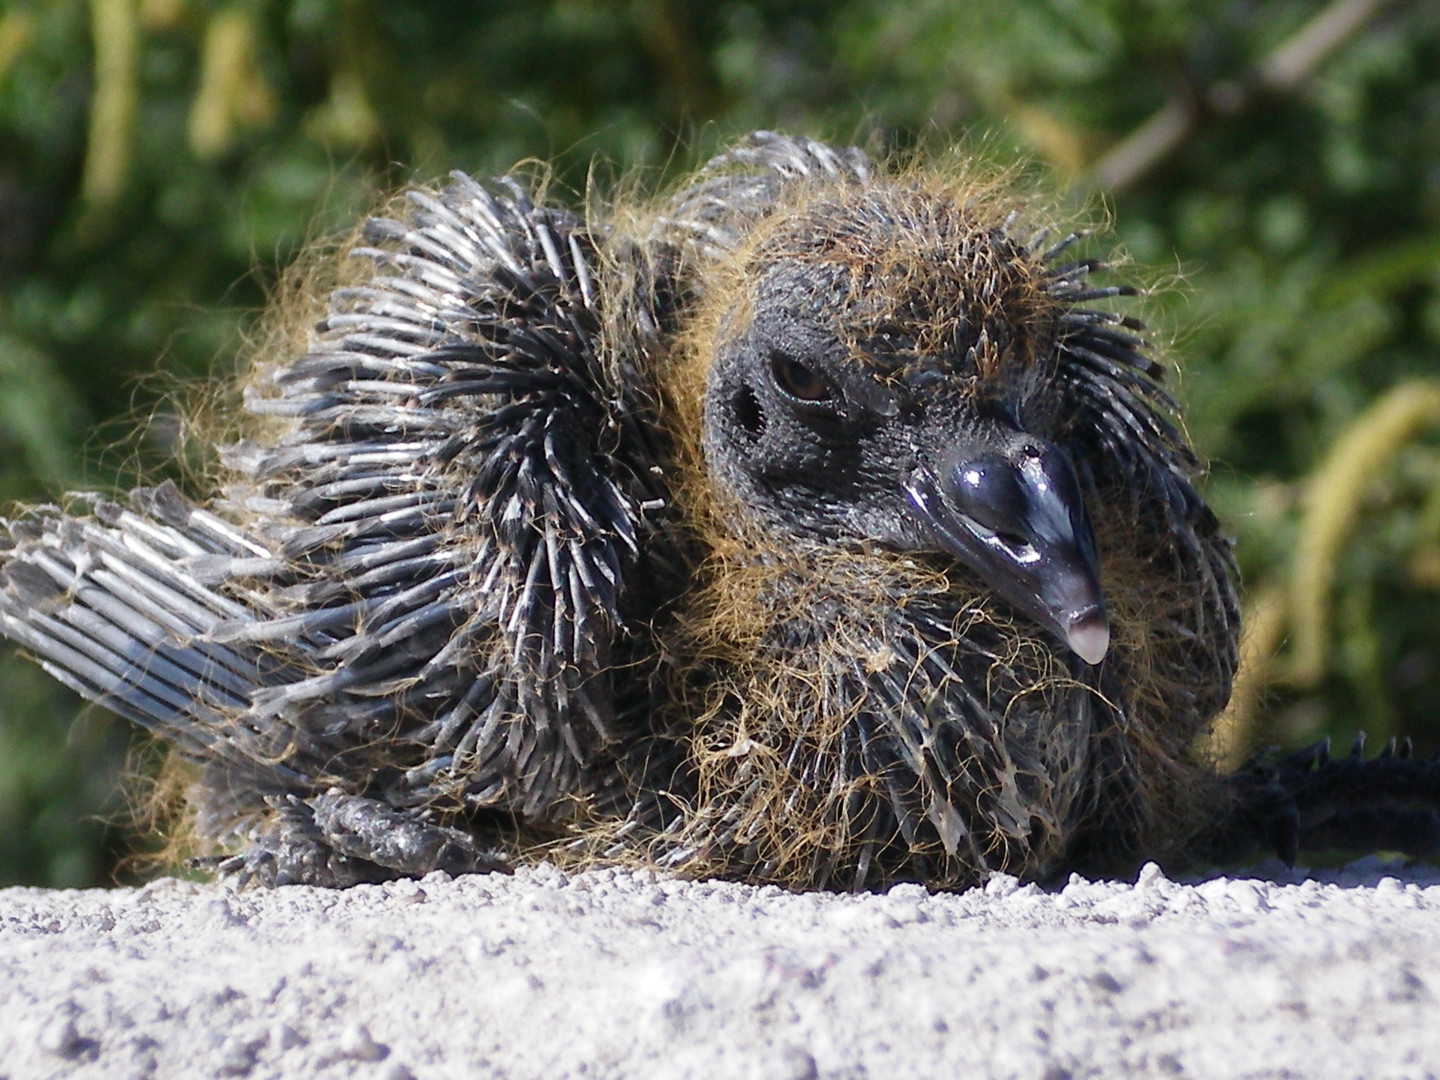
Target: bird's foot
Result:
[[337, 840], [1309, 801]]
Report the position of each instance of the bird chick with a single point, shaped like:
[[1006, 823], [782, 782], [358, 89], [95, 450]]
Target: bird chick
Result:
[[812, 524]]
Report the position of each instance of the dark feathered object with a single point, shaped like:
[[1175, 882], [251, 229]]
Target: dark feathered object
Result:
[[815, 525]]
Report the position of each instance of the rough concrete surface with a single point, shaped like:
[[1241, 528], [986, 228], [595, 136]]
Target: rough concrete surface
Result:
[[621, 973]]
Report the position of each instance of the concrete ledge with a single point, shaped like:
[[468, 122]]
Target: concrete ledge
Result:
[[625, 974]]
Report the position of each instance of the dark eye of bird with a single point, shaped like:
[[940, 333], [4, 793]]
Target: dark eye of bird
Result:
[[800, 382]]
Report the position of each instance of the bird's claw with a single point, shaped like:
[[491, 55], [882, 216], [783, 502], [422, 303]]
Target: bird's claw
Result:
[[337, 840]]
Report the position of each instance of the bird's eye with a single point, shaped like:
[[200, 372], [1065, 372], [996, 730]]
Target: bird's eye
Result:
[[801, 383]]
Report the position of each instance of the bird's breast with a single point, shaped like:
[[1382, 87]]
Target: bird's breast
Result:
[[854, 710]]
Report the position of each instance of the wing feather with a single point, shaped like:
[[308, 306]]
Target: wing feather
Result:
[[433, 541]]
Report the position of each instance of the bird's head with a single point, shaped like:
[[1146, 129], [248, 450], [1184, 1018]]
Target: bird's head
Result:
[[881, 372]]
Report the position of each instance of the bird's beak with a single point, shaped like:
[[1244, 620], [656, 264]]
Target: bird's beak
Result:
[[1017, 518]]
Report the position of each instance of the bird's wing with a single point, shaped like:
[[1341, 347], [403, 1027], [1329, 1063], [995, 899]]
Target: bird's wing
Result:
[[460, 499], [417, 578]]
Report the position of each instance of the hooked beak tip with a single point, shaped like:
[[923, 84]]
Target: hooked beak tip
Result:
[[1088, 635]]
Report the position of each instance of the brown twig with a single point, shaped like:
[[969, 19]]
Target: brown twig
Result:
[[1281, 71]]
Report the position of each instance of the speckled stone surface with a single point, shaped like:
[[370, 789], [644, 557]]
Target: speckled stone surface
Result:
[[621, 973]]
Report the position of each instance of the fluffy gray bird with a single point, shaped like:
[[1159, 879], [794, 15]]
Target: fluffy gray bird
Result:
[[811, 525]]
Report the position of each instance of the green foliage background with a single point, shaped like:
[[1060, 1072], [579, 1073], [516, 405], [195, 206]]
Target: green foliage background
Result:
[[161, 159]]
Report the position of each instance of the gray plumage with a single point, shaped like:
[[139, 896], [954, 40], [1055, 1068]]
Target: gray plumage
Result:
[[813, 525]]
